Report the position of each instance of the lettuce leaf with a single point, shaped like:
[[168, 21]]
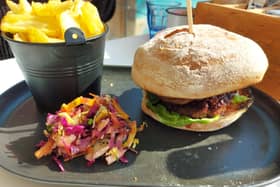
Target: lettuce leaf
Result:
[[172, 118], [239, 99]]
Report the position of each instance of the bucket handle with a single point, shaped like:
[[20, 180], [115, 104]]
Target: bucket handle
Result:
[[74, 36]]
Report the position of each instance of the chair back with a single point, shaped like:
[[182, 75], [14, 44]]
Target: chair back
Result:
[[5, 51]]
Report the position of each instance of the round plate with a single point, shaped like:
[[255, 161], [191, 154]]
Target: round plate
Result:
[[245, 153]]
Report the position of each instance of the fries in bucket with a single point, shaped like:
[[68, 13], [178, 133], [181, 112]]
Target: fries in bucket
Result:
[[47, 22]]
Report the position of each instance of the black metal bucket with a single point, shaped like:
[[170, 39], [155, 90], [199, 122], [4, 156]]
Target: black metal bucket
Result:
[[58, 72]]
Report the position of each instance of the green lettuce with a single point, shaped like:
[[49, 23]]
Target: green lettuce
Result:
[[172, 118], [239, 99]]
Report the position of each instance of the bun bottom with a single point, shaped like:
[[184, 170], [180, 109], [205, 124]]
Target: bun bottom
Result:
[[222, 122]]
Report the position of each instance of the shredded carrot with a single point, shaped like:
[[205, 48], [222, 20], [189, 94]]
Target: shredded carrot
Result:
[[142, 126], [131, 135], [46, 149], [119, 109]]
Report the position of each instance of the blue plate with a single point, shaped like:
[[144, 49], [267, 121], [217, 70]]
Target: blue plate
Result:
[[245, 153]]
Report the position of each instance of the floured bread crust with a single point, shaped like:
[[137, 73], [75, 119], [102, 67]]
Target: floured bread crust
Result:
[[209, 62]]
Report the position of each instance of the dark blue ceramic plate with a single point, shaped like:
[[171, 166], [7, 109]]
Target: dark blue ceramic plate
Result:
[[245, 153]]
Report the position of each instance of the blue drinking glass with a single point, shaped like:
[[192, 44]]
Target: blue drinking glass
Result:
[[157, 15]]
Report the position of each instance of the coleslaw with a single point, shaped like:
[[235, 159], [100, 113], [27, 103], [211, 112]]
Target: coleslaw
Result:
[[91, 127]]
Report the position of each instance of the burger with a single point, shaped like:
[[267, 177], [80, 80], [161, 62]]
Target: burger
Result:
[[198, 81]]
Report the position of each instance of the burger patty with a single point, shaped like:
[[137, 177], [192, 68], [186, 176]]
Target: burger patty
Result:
[[212, 106]]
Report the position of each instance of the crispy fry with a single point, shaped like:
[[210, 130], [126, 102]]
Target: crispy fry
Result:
[[17, 37], [52, 8], [55, 40], [91, 20], [17, 23], [21, 8], [25, 6], [67, 20], [13, 6], [37, 36], [20, 37], [24, 27], [76, 8]]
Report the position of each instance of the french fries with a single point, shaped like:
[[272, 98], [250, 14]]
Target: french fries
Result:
[[22, 7], [47, 22], [52, 8], [90, 19]]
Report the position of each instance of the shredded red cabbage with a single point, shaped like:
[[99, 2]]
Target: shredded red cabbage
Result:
[[64, 122], [90, 163], [123, 159], [40, 144], [76, 130], [58, 163], [79, 129], [93, 110]]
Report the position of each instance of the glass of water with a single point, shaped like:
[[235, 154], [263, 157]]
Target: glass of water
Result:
[[157, 15]]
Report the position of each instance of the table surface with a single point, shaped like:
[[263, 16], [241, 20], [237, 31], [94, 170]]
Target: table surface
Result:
[[114, 56]]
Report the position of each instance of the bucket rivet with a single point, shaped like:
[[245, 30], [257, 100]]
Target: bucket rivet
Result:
[[75, 36]]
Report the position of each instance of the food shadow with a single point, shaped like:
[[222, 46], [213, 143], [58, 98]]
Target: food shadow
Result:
[[24, 129], [252, 146]]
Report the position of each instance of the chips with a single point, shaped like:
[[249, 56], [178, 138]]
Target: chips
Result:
[[47, 22]]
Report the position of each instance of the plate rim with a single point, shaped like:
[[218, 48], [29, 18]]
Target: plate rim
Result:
[[40, 180]]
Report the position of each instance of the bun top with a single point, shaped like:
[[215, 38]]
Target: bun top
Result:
[[209, 62]]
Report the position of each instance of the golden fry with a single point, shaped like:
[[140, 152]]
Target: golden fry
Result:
[[67, 20], [52, 8], [15, 8], [76, 8], [15, 23], [55, 40], [25, 6], [21, 8], [37, 36], [91, 20], [18, 37]]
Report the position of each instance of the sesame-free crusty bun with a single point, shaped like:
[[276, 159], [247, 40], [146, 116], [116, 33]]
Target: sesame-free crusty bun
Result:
[[212, 61], [198, 81], [222, 122]]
